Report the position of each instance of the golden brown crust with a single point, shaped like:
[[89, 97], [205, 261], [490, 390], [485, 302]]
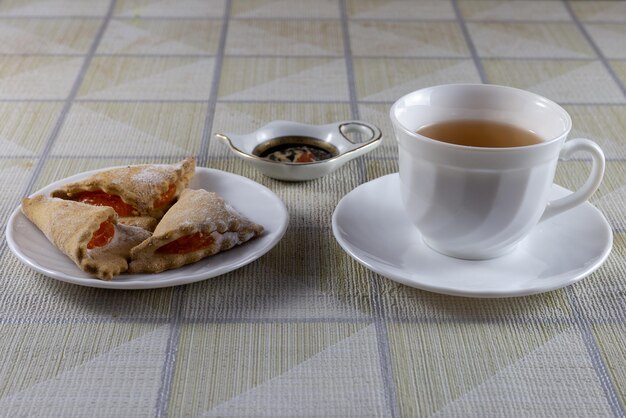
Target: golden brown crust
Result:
[[70, 226], [138, 185], [196, 211]]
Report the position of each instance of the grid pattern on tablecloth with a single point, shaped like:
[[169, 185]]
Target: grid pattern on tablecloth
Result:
[[305, 330]]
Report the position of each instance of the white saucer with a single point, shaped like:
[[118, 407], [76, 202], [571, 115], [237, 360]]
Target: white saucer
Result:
[[370, 224], [251, 199]]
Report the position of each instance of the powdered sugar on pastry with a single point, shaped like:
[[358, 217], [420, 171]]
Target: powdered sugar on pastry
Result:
[[198, 215], [125, 238], [70, 226], [146, 222], [140, 186], [148, 175]]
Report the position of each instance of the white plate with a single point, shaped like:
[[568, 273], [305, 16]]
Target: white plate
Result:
[[370, 224], [251, 199]]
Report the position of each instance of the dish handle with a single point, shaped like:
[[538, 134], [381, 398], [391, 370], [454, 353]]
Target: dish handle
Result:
[[229, 142], [371, 132]]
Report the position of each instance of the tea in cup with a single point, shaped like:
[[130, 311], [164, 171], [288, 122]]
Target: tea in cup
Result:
[[477, 163]]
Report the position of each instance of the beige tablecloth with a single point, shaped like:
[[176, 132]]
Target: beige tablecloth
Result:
[[305, 330]]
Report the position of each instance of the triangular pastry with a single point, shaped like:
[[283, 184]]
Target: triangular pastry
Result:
[[146, 190], [89, 235], [200, 224]]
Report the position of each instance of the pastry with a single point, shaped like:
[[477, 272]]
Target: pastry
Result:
[[146, 190], [146, 222], [89, 235], [199, 224]]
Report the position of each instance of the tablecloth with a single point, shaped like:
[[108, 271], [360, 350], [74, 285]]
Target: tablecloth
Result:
[[305, 330]]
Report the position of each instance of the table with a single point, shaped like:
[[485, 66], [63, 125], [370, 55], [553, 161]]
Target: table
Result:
[[305, 330]]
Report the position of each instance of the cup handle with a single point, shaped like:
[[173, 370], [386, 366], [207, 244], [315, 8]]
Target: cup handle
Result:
[[554, 207], [372, 132]]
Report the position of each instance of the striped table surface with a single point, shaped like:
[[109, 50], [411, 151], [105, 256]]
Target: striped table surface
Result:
[[305, 330]]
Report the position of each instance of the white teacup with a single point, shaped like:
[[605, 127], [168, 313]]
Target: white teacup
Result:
[[475, 202]]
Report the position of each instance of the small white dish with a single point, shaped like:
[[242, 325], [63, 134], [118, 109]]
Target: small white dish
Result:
[[370, 225], [331, 140], [250, 198]]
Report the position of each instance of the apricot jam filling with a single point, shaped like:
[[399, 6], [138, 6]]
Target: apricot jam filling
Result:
[[187, 244], [100, 198], [102, 236], [166, 197]]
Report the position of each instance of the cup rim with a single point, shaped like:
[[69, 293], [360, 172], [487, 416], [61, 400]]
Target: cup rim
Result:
[[543, 99]]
